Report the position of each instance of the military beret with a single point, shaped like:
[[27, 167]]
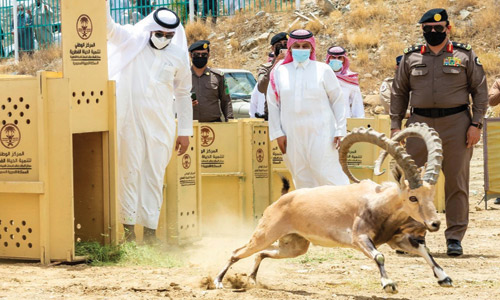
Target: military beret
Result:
[[282, 36], [200, 45], [398, 59], [434, 15]]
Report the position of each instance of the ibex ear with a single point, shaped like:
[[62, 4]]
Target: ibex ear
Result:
[[398, 174]]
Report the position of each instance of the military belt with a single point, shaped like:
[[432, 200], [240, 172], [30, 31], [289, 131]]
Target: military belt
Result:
[[439, 112]]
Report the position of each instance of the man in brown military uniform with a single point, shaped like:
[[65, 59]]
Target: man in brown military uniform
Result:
[[436, 79], [209, 93], [278, 47]]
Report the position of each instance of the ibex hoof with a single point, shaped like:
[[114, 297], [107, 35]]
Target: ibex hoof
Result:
[[390, 288], [218, 284], [447, 282]]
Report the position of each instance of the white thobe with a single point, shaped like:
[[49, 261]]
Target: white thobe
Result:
[[310, 113], [145, 90], [353, 100], [257, 102]]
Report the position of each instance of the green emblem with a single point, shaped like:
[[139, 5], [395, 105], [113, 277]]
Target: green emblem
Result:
[[226, 87], [468, 47]]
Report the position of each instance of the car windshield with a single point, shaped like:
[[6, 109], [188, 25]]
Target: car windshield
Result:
[[240, 84]]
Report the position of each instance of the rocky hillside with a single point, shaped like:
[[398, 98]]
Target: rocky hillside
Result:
[[373, 31]]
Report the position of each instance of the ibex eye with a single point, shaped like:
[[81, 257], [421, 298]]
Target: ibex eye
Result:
[[413, 199]]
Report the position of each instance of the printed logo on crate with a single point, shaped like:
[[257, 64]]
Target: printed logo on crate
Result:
[[260, 155], [186, 161], [207, 136], [84, 27], [10, 136]]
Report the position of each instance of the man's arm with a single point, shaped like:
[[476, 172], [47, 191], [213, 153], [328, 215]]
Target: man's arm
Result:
[[358, 109], [400, 95], [116, 33], [183, 105], [225, 99], [477, 87], [337, 102], [263, 78], [494, 94], [275, 130]]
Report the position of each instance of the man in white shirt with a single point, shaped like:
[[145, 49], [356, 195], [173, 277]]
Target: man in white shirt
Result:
[[149, 62], [307, 114], [336, 58]]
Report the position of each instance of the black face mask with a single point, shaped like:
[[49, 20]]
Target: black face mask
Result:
[[278, 49], [200, 62], [435, 38]]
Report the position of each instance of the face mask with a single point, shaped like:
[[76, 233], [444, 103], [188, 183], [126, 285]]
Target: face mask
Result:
[[159, 43], [336, 65], [200, 62], [301, 55], [435, 38]]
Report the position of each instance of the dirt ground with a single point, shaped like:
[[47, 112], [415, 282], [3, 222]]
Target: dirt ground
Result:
[[320, 274]]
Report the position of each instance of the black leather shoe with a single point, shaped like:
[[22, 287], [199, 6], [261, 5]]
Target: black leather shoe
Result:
[[497, 201], [454, 248]]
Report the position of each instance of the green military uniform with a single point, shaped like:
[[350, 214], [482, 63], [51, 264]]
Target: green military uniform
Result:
[[212, 95], [437, 87]]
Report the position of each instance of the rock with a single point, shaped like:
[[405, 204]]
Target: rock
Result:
[[346, 8], [221, 37], [230, 34], [372, 100], [328, 6], [364, 267], [264, 36], [368, 75], [375, 72], [211, 36], [248, 43], [464, 14], [378, 110], [260, 14], [470, 8]]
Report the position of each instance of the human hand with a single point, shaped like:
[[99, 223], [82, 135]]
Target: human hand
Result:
[[282, 143], [473, 136], [394, 132], [194, 102], [336, 142], [181, 145]]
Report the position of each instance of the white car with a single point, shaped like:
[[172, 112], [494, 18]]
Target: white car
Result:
[[240, 84]]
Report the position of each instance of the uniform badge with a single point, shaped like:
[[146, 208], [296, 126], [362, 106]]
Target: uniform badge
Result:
[[452, 62], [437, 17], [208, 73], [205, 46], [478, 62]]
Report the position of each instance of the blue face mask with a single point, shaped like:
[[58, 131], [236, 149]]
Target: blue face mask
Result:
[[336, 65], [301, 55]]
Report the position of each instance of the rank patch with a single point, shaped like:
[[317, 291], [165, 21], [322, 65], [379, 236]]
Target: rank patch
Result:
[[452, 61], [478, 62]]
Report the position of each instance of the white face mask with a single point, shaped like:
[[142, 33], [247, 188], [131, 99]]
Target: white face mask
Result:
[[160, 43]]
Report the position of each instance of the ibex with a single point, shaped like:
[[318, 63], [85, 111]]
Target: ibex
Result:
[[361, 215]]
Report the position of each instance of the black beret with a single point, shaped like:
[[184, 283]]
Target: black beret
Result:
[[398, 59], [434, 15], [282, 36], [163, 24], [200, 45]]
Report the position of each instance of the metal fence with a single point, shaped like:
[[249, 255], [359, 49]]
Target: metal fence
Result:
[[39, 26]]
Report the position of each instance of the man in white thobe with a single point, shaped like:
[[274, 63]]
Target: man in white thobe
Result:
[[150, 64], [43, 19], [307, 114], [257, 104]]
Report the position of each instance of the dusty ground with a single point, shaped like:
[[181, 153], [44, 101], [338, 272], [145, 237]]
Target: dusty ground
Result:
[[321, 274]]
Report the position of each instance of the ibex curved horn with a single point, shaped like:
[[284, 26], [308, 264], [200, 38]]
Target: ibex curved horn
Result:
[[434, 150], [392, 147]]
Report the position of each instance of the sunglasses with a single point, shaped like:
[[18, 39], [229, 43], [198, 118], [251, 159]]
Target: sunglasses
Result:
[[200, 54], [160, 34], [437, 28]]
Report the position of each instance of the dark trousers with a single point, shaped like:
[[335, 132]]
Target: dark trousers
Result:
[[453, 133]]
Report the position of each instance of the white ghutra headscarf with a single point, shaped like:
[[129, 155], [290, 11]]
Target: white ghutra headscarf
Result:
[[162, 19]]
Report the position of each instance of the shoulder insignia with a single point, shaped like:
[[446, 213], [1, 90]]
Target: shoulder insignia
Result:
[[462, 46], [412, 49], [217, 71], [478, 62]]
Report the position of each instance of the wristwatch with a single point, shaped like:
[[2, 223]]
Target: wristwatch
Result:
[[478, 125]]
